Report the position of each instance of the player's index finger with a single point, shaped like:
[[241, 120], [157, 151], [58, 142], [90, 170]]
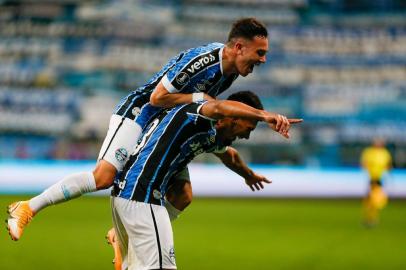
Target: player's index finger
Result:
[[295, 120]]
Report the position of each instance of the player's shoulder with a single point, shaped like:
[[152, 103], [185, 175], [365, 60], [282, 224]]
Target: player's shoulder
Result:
[[196, 60], [197, 109], [193, 107], [193, 111], [183, 109], [187, 115], [192, 62], [204, 49], [215, 45]]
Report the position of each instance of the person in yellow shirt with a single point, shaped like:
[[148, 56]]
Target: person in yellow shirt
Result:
[[377, 161]]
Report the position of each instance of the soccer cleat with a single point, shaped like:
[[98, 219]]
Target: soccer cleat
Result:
[[20, 214], [112, 240]]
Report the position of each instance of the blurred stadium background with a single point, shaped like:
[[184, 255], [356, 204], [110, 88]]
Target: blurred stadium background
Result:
[[339, 64]]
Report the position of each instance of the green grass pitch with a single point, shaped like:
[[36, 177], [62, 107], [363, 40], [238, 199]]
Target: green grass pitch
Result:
[[221, 234]]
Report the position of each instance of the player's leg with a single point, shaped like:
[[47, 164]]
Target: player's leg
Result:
[[178, 197], [149, 230], [22, 212], [117, 237], [379, 199], [119, 142], [366, 207], [372, 204], [368, 212], [112, 240]]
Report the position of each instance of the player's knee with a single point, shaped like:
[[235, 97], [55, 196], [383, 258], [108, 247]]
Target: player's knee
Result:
[[103, 181], [104, 175]]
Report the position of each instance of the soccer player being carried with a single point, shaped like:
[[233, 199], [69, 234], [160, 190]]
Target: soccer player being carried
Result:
[[167, 145], [193, 75]]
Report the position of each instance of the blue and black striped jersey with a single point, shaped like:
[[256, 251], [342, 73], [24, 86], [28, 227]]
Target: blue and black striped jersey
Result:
[[195, 70], [167, 145]]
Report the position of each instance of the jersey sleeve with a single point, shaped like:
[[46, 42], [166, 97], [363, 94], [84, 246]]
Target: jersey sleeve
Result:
[[191, 64], [200, 121], [200, 105]]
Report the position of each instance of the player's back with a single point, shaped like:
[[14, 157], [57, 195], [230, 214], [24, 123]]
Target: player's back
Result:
[[194, 70], [167, 144]]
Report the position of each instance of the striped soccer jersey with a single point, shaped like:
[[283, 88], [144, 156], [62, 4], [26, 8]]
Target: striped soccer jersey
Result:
[[195, 70], [167, 145]]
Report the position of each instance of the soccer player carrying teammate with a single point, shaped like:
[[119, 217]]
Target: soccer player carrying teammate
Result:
[[193, 75], [167, 145], [376, 160]]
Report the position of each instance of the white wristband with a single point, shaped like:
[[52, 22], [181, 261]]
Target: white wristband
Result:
[[196, 97]]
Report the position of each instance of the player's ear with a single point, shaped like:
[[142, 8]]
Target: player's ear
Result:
[[221, 122], [238, 46]]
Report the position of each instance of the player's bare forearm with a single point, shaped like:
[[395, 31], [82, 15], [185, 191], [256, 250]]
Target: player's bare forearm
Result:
[[161, 97], [219, 109], [234, 162]]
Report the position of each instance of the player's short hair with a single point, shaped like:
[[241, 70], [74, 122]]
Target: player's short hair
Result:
[[248, 98], [247, 28]]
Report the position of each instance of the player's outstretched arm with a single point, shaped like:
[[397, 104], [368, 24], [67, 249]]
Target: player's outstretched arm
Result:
[[161, 97], [219, 109], [234, 162]]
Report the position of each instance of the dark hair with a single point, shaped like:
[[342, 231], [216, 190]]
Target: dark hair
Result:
[[248, 98], [247, 28]]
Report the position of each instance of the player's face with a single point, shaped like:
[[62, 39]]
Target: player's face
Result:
[[250, 53], [237, 128]]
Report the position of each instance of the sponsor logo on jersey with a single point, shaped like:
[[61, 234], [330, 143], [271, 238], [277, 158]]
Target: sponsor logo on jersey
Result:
[[136, 111], [121, 154], [122, 184], [201, 62], [195, 146], [157, 195], [205, 84], [200, 87], [182, 78], [197, 64]]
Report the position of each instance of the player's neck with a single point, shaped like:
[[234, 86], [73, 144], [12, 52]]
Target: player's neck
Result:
[[228, 61]]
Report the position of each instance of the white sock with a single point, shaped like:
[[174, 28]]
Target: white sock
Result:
[[68, 188], [172, 211]]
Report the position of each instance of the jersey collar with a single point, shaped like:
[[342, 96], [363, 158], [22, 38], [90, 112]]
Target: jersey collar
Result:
[[221, 59]]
